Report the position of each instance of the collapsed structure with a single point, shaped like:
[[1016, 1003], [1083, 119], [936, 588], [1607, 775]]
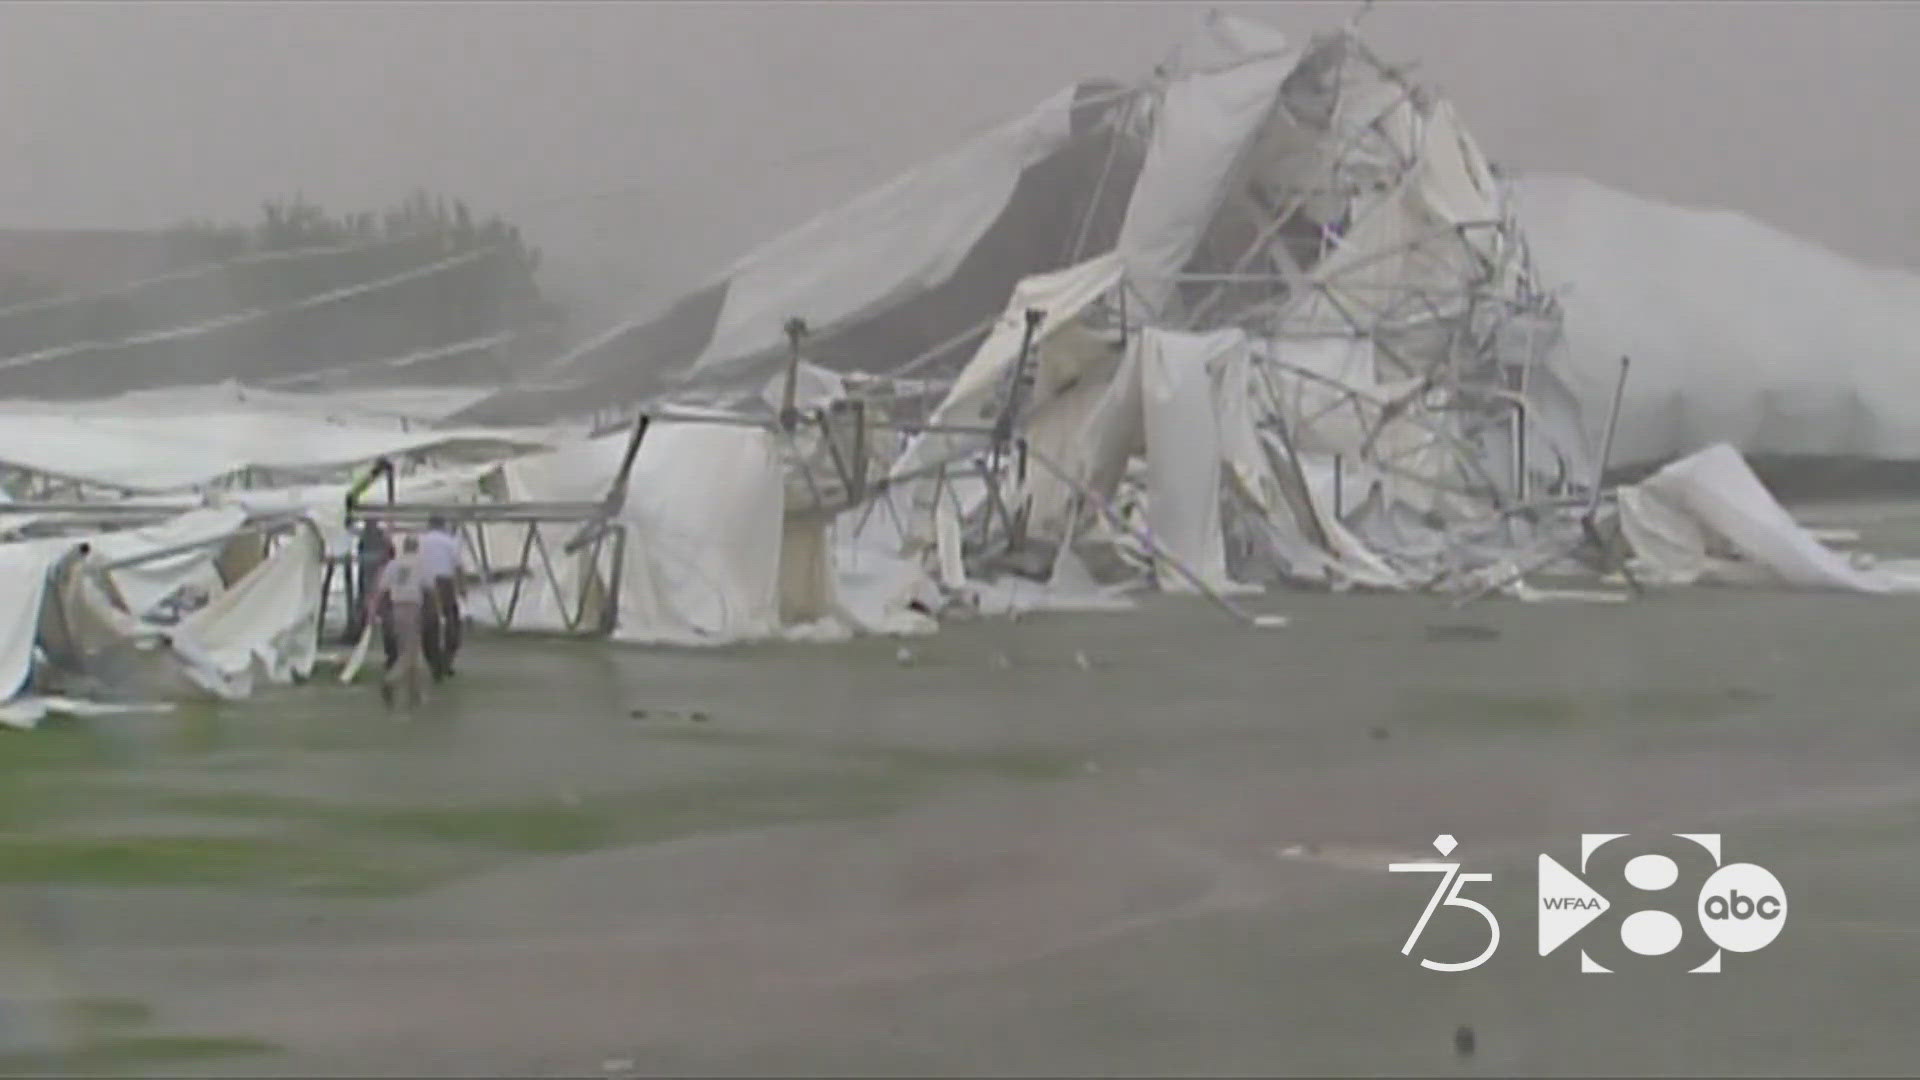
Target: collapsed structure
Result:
[[1285, 277], [1269, 316], [187, 541]]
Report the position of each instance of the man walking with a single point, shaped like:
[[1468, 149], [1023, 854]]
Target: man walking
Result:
[[401, 599], [440, 551], [374, 550]]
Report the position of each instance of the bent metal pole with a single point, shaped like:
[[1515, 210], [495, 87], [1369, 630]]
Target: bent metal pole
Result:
[[1589, 532], [1113, 517], [1010, 414], [1606, 445]]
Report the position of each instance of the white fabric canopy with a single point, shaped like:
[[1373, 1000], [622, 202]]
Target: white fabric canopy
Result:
[[1738, 333], [712, 557], [144, 585], [382, 406], [891, 242], [705, 508], [973, 398], [325, 504], [171, 452]]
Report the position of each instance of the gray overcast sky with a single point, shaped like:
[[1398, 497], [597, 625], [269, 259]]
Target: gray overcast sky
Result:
[[731, 121]]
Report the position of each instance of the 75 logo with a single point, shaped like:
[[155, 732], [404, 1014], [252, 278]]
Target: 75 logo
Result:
[[1447, 894]]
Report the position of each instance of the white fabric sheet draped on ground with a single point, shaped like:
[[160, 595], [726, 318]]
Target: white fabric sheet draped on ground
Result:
[[1707, 518]]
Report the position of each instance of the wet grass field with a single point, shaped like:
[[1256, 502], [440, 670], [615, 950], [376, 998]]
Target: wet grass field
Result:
[[994, 858]]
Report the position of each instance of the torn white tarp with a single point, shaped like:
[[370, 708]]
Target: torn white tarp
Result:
[[265, 626], [261, 627], [381, 406], [877, 590], [1072, 397], [23, 581], [978, 394], [146, 584], [1202, 127], [1708, 518], [1177, 373], [892, 242], [167, 453]]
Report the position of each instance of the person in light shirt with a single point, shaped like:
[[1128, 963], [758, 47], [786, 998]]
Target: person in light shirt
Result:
[[440, 553], [402, 597]]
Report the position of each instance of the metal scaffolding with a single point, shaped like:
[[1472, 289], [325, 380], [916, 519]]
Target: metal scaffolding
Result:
[[1360, 219]]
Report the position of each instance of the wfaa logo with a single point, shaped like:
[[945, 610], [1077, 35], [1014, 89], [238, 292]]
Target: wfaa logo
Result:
[[1739, 907]]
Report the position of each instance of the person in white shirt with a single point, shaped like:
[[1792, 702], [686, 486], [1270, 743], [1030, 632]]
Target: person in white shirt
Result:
[[440, 551], [403, 597]]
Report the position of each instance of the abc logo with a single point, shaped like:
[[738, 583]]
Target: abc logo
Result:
[[1742, 907]]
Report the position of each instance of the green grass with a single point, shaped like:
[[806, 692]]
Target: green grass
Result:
[[856, 780], [54, 745], [531, 827], [318, 848], [284, 863], [93, 1014], [1035, 764], [593, 821], [133, 1054], [67, 794], [229, 804], [107, 1039]]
